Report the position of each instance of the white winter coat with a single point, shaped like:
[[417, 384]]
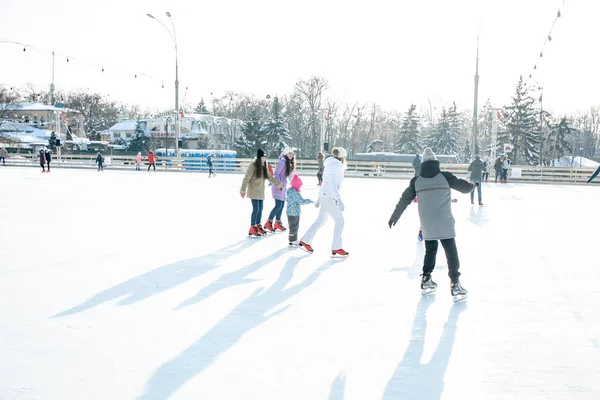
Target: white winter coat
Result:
[[333, 176]]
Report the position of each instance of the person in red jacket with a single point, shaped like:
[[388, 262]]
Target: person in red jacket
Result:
[[151, 161]]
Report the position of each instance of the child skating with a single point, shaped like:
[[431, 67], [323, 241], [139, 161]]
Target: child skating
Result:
[[437, 223], [294, 201]]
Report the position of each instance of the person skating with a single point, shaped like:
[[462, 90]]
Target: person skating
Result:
[[138, 161], [284, 169], [294, 201], [435, 213], [486, 171], [505, 166], [151, 160], [3, 155], [254, 184], [209, 164], [100, 162], [320, 160], [48, 158], [594, 175], [417, 164], [498, 169], [42, 157], [476, 168], [331, 203]]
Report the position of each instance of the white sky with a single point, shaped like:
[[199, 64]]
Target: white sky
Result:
[[389, 52]]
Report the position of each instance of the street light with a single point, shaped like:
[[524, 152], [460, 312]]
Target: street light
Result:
[[177, 117]]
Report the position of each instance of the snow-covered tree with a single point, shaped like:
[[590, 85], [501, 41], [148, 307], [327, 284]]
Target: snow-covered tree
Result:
[[409, 140], [558, 142], [201, 108], [375, 146], [444, 139], [99, 113], [275, 133], [52, 141], [139, 140], [522, 127], [251, 138]]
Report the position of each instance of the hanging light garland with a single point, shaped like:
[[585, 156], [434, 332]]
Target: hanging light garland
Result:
[[547, 39]]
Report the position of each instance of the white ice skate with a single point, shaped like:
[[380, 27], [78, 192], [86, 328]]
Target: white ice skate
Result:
[[459, 293], [428, 286]]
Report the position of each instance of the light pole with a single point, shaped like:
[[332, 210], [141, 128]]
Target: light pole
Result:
[[177, 115]]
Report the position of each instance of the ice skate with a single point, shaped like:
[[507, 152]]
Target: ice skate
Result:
[[279, 226], [428, 286], [269, 226], [459, 293], [294, 243], [260, 230], [253, 233], [306, 247], [480, 203], [339, 253]]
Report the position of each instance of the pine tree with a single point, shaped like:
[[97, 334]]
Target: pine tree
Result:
[[251, 138], [521, 127], [444, 140], [468, 157], [275, 131], [410, 133], [52, 141], [558, 139], [139, 141], [201, 108], [375, 146]]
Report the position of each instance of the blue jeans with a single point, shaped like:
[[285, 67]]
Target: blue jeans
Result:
[[257, 207], [478, 191], [277, 210]]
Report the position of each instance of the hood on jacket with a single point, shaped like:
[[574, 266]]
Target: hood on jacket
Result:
[[430, 168]]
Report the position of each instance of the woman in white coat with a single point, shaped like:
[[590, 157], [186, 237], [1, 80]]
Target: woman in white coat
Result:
[[330, 202]]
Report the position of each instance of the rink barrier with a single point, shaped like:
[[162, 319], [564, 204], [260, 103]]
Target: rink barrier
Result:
[[387, 170]]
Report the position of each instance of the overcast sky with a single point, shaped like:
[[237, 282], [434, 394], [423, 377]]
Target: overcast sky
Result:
[[392, 52]]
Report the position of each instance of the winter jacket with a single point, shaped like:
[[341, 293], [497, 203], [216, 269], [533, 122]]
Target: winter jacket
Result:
[[498, 164], [417, 165], [432, 188], [281, 177], [320, 159], [477, 167], [3, 152], [42, 157], [48, 156], [594, 175], [333, 176], [99, 159], [256, 186], [151, 158], [209, 161], [506, 164], [294, 201], [138, 159]]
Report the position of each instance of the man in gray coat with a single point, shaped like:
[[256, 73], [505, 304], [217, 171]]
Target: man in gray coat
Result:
[[476, 167], [432, 187]]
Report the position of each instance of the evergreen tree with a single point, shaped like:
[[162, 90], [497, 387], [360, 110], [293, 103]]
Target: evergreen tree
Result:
[[468, 157], [375, 146], [201, 108], [410, 133], [521, 127], [444, 140], [558, 139], [275, 131], [141, 142], [52, 142], [251, 138]]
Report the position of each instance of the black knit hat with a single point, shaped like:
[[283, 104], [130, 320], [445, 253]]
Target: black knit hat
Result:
[[260, 153]]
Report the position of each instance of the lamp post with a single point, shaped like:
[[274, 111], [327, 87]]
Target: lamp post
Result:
[[177, 115]]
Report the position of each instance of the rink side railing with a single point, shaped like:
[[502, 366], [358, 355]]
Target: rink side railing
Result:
[[517, 173]]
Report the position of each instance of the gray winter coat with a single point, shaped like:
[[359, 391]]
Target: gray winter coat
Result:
[[432, 188], [477, 167]]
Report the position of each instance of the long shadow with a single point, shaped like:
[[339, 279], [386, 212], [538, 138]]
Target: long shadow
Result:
[[238, 277], [337, 388], [414, 380], [478, 217], [161, 279], [413, 271], [250, 313]]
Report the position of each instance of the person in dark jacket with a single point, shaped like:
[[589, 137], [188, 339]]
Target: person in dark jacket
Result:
[[417, 164], [476, 167], [42, 157], [209, 164], [100, 162], [498, 169], [437, 223], [594, 175], [320, 160], [48, 156]]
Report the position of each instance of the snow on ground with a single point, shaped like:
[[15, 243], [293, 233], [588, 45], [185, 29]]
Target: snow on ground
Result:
[[125, 285]]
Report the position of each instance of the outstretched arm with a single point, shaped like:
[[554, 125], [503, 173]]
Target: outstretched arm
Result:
[[594, 175], [461, 185], [407, 197]]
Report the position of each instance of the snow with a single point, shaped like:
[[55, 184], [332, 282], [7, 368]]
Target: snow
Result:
[[575, 162], [125, 285]]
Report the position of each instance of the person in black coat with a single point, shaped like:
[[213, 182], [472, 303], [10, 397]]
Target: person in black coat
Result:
[[209, 163], [100, 162], [42, 157], [48, 157]]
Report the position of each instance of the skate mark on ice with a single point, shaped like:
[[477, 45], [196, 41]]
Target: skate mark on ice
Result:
[[253, 311], [338, 387], [160, 279]]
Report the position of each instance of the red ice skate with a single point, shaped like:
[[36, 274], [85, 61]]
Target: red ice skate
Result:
[[339, 253], [305, 247], [269, 226], [279, 226]]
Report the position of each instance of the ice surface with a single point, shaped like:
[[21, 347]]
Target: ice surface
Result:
[[137, 285]]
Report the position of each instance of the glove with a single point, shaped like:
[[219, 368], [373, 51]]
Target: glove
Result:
[[476, 184], [242, 194], [341, 205], [317, 204], [391, 223]]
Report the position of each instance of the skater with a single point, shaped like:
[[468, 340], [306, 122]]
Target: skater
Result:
[[594, 175], [3, 155], [505, 166], [433, 188], [476, 167], [285, 167], [48, 156], [100, 161], [486, 170], [498, 169], [331, 203], [417, 164], [42, 157], [151, 160], [292, 210], [320, 159], [254, 183], [209, 163], [138, 161]]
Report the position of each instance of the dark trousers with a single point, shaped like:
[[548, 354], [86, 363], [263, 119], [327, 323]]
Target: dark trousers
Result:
[[485, 176], [210, 171], [43, 166], [504, 174], [3, 160], [498, 173], [449, 245], [277, 210], [48, 164], [320, 177], [153, 166], [100, 166], [293, 225], [257, 208]]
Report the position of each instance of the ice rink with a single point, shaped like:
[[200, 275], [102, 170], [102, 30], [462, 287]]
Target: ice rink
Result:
[[137, 285]]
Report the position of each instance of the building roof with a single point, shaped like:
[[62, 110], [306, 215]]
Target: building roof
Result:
[[128, 125], [34, 106]]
